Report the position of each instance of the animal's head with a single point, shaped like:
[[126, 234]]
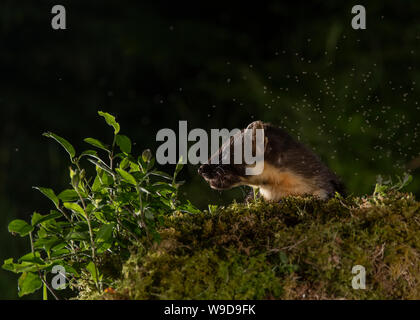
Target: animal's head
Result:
[[221, 175]]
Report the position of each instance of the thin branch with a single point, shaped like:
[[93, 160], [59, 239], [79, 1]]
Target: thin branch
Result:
[[39, 272]]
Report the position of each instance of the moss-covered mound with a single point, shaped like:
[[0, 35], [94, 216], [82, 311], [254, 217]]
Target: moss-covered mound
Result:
[[301, 248]]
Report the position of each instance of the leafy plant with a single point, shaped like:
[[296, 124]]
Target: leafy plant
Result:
[[121, 203], [383, 187]]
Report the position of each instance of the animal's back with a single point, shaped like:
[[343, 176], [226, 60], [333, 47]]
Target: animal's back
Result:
[[288, 155]]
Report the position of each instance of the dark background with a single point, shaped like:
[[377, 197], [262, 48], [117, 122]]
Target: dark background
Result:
[[351, 95]]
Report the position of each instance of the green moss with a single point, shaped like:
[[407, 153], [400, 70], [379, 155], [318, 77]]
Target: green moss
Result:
[[299, 248], [207, 274]]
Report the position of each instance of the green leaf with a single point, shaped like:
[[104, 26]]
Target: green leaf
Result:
[[64, 143], [47, 244], [39, 218], [124, 163], [102, 165], [25, 266], [146, 155], [30, 257], [35, 218], [96, 186], [58, 246], [126, 176], [91, 268], [84, 236], [96, 143], [21, 227], [105, 233], [28, 283], [60, 252], [134, 167], [189, 208], [74, 207], [110, 120], [178, 168], [49, 193], [9, 265], [104, 237], [91, 153], [124, 143], [68, 195], [161, 174], [68, 268]]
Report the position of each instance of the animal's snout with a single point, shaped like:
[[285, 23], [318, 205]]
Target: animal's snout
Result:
[[205, 171]]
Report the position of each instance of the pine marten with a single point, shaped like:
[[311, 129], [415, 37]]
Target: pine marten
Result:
[[290, 168]]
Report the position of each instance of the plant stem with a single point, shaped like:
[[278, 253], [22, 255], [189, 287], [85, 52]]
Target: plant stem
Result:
[[142, 217], [92, 241], [111, 155]]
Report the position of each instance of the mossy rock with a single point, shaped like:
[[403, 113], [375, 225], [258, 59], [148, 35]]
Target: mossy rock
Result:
[[300, 248]]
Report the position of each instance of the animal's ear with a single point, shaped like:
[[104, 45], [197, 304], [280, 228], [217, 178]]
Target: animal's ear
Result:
[[256, 125]]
